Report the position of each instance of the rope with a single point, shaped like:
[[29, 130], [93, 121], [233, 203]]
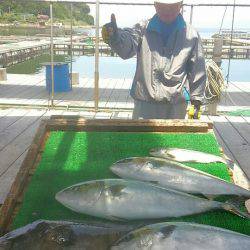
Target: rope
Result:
[[215, 82], [222, 21]]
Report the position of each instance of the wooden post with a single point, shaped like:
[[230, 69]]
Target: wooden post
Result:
[[52, 56], [191, 14], [248, 54], [71, 42], [217, 50], [3, 74], [96, 93]]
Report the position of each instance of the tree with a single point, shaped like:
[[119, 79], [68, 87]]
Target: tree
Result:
[[61, 10]]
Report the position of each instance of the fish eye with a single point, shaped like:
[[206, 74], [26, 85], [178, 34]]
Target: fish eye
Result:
[[61, 239]]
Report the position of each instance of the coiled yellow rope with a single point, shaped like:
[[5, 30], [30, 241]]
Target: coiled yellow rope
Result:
[[215, 82]]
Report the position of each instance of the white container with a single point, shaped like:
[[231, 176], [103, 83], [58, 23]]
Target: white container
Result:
[[75, 78]]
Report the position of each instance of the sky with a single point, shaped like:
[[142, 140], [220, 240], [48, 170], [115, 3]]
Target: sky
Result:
[[203, 17]]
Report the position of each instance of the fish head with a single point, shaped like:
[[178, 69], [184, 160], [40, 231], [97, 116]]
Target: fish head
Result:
[[82, 195], [61, 235], [161, 153], [157, 152], [129, 167]]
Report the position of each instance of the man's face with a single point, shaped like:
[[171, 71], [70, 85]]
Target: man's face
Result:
[[167, 12]]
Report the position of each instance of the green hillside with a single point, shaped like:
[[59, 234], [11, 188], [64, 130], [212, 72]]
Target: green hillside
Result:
[[27, 11]]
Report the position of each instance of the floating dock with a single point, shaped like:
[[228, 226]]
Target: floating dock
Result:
[[14, 53]]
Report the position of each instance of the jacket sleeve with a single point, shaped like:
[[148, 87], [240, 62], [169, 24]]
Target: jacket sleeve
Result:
[[125, 43], [196, 72]]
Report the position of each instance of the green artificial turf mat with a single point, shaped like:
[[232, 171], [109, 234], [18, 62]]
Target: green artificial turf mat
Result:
[[245, 113], [73, 157]]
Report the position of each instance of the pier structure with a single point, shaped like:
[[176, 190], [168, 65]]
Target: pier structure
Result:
[[13, 55]]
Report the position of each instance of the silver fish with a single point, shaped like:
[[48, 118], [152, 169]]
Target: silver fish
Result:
[[182, 236], [46, 235], [174, 175], [187, 155], [118, 199]]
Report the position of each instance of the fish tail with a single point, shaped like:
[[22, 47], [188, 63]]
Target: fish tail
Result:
[[235, 210], [229, 162]]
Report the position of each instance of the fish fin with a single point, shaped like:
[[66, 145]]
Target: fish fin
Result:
[[209, 196], [116, 190], [154, 182], [230, 163], [116, 218], [235, 209]]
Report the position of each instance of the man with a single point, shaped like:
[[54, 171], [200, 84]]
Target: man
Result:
[[170, 62]]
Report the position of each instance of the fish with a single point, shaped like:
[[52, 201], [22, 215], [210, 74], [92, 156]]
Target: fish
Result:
[[57, 235], [174, 175], [187, 155], [183, 236], [118, 199]]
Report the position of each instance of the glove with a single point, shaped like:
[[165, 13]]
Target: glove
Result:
[[195, 110], [109, 30]]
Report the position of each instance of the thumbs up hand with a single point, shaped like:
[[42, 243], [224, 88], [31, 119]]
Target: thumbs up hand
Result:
[[109, 29]]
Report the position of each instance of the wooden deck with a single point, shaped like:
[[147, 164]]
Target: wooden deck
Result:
[[18, 125], [30, 90]]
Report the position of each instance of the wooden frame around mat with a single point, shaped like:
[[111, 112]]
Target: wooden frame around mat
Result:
[[76, 123]]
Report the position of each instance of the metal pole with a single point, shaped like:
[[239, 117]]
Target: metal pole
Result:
[[52, 56], [96, 93], [231, 40], [191, 14], [71, 43]]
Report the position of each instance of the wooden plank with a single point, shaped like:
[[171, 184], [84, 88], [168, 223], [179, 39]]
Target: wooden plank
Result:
[[129, 102], [88, 99], [70, 113], [7, 178], [10, 153], [117, 94], [4, 112], [123, 97], [113, 83], [9, 134], [14, 153], [17, 147], [80, 88], [247, 119], [20, 87], [102, 115], [235, 143], [121, 115], [11, 118], [241, 126], [87, 114], [235, 98], [77, 97], [129, 125], [21, 180], [239, 175], [105, 85]]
